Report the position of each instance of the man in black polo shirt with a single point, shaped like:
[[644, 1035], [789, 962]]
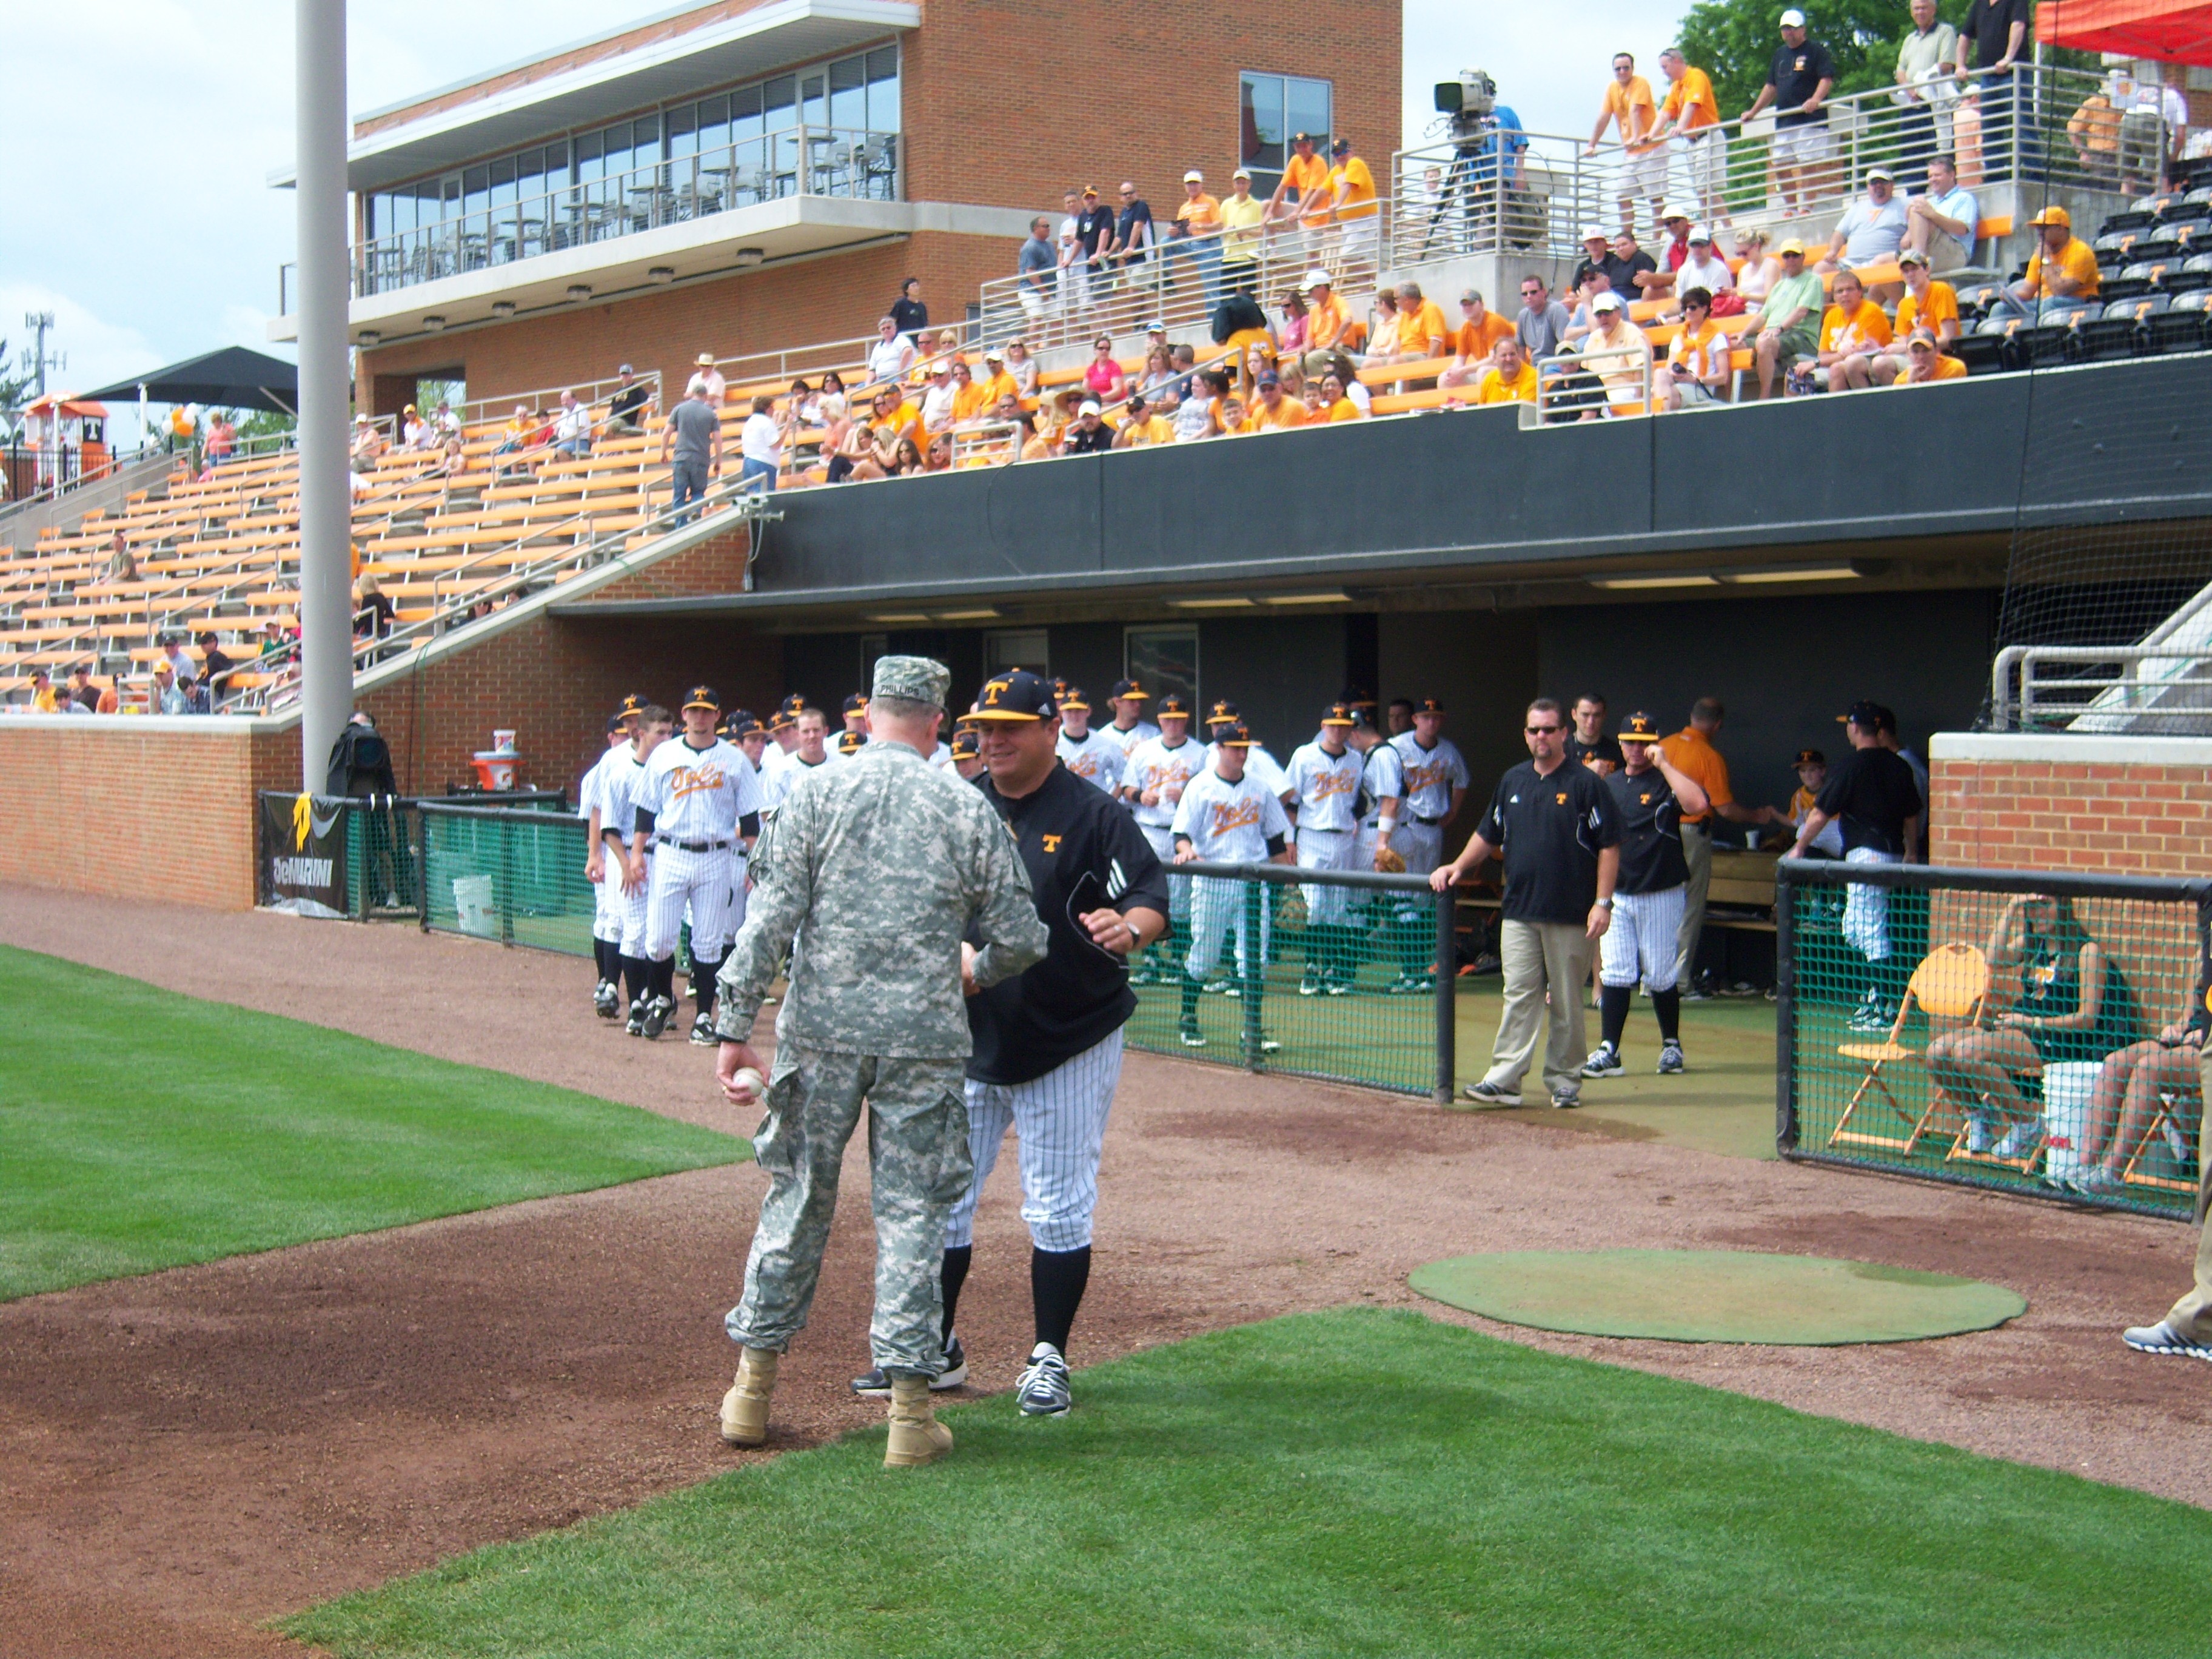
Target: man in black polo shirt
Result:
[[1873, 794], [1798, 81], [1993, 40], [1049, 1041], [1590, 743], [1556, 828]]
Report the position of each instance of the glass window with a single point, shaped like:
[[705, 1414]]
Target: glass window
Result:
[[1162, 661], [645, 141], [1007, 649], [714, 122], [849, 94], [475, 190], [745, 114], [813, 106], [779, 96], [883, 89], [683, 129], [1270, 108], [591, 157], [502, 182], [1306, 109]]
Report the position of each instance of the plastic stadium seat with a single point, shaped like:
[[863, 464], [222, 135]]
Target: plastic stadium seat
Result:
[[1975, 299], [2119, 330], [2127, 220], [1988, 349], [2184, 326]]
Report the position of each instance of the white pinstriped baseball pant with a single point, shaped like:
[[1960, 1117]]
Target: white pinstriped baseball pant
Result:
[[1643, 939], [1162, 844], [1060, 1120], [607, 898], [712, 883], [1328, 903], [632, 906]]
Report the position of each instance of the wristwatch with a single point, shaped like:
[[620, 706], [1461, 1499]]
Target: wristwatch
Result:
[[1606, 902]]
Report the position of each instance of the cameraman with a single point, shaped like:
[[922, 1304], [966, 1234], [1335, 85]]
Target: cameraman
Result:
[[1489, 169]]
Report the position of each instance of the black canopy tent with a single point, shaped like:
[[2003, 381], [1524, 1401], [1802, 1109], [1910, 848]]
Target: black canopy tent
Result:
[[232, 378]]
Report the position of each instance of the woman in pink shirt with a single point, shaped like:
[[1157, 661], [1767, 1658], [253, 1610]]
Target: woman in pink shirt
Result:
[[1102, 375]]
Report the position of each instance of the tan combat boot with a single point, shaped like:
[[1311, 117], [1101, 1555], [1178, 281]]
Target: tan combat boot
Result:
[[916, 1436], [744, 1407]]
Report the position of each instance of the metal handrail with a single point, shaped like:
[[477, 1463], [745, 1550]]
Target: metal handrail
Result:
[[1563, 383], [2102, 704], [1500, 192], [485, 412], [801, 160]]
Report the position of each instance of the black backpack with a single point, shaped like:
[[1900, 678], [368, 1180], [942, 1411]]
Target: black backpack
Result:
[[1234, 311]]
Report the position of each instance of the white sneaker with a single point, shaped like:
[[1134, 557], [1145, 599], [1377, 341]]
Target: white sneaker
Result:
[[1604, 1061], [2019, 1140], [1042, 1388], [1978, 1133], [2163, 1338]]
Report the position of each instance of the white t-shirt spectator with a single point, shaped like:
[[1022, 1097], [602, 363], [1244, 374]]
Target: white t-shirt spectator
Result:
[[1194, 417], [576, 425], [937, 406], [761, 440], [890, 359], [1711, 274]]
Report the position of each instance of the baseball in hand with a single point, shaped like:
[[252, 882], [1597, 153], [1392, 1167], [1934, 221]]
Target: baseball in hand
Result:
[[749, 1084]]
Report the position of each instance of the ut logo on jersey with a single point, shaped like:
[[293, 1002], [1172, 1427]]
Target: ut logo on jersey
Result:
[[1644, 800], [1051, 842], [1561, 797], [1235, 815], [687, 780]]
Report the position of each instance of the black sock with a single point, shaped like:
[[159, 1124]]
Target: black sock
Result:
[[703, 972], [1189, 1000], [664, 979], [956, 1258], [1057, 1278], [1667, 1004], [599, 958], [1613, 1002], [639, 972]]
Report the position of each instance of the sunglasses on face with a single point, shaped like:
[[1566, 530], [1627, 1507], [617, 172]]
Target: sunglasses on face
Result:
[[1541, 731]]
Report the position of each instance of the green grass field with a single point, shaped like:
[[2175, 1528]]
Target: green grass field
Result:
[[1355, 1482], [140, 1129]]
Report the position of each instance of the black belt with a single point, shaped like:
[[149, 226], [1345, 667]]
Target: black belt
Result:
[[695, 846], [1431, 823]]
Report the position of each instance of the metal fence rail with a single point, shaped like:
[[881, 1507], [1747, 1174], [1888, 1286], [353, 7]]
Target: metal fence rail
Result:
[[2109, 1116]]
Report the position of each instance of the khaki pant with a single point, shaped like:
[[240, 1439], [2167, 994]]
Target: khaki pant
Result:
[[1698, 853], [2192, 1315], [1540, 957]]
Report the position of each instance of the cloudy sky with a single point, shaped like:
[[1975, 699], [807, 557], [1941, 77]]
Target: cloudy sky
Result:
[[145, 130]]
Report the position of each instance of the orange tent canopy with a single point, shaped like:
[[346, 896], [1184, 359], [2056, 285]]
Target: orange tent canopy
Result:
[[2170, 31], [70, 409]]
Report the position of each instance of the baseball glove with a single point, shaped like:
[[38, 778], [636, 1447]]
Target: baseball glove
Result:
[[1389, 863]]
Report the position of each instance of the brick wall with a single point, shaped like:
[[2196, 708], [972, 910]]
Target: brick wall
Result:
[[2137, 805], [138, 808]]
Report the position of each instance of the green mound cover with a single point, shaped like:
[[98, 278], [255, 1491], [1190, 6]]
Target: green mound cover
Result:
[[1715, 1296]]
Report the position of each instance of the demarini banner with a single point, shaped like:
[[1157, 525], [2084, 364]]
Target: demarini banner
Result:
[[304, 842]]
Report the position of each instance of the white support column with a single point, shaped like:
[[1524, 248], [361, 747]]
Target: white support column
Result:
[[326, 390]]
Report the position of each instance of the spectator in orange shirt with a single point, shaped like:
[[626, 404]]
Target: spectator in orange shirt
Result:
[[1421, 329], [1271, 410], [969, 400], [1696, 372], [1851, 332], [1927, 304], [1644, 167], [997, 384], [1303, 186], [1334, 401], [1925, 362], [1326, 319], [1198, 235], [2062, 272], [894, 417], [1474, 341], [1692, 112], [1352, 200], [1512, 377]]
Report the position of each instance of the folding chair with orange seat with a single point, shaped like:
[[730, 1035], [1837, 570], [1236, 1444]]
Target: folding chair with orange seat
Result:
[[1952, 982]]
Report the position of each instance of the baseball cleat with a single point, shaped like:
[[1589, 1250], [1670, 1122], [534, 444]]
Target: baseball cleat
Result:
[[1338, 987], [1042, 1388], [2019, 1141], [1217, 988], [636, 1026], [1489, 1094], [656, 1017], [1670, 1059], [702, 1031], [2163, 1338], [607, 1000], [1404, 985], [1604, 1061], [1870, 1015], [1191, 1037], [1565, 1100], [1309, 985], [872, 1384]]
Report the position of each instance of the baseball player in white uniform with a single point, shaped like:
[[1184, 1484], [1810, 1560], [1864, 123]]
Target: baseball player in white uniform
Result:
[[1381, 792], [1159, 770], [700, 806], [1092, 756], [783, 730], [1324, 790], [1259, 766], [810, 749], [606, 902], [1435, 784], [1226, 817], [1130, 728], [618, 791]]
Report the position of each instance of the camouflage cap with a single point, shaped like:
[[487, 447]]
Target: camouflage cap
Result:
[[912, 679]]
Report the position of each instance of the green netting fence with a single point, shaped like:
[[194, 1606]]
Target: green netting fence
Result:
[[1322, 974], [373, 845], [2016, 1029], [506, 873]]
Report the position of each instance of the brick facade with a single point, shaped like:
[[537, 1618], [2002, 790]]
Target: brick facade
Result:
[[136, 808], [2131, 806], [1006, 103]]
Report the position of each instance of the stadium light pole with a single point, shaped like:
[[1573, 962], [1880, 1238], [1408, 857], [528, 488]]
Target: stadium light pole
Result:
[[325, 293]]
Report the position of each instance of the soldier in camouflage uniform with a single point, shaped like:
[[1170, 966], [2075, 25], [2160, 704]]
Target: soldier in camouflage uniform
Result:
[[870, 874]]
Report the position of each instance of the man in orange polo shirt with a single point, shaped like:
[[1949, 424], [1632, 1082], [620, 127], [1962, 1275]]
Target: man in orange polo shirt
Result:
[[1691, 750], [1271, 410], [2062, 272], [1692, 112], [1351, 199], [1644, 163], [1512, 377], [1474, 341], [1422, 330], [1198, 239], [1326, 319], [1305, 176]]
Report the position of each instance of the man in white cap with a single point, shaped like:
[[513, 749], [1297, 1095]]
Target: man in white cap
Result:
[[1090, 435], [1327, 321], [1704, 268], [1798, 81], [1617, 352], [1596, 244], [1198, 235]]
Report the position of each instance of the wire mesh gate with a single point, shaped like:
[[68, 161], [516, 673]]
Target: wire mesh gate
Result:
[[2025, 1030]]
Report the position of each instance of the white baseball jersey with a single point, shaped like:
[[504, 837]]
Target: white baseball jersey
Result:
[[1431, 774], [619, 785], [1127, 742], [1324, 786], [1230, 822], [1153, 765], [793, 768], [1095, 758], [1383, 778], [588, 792], [773, 759], [698, 794]]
